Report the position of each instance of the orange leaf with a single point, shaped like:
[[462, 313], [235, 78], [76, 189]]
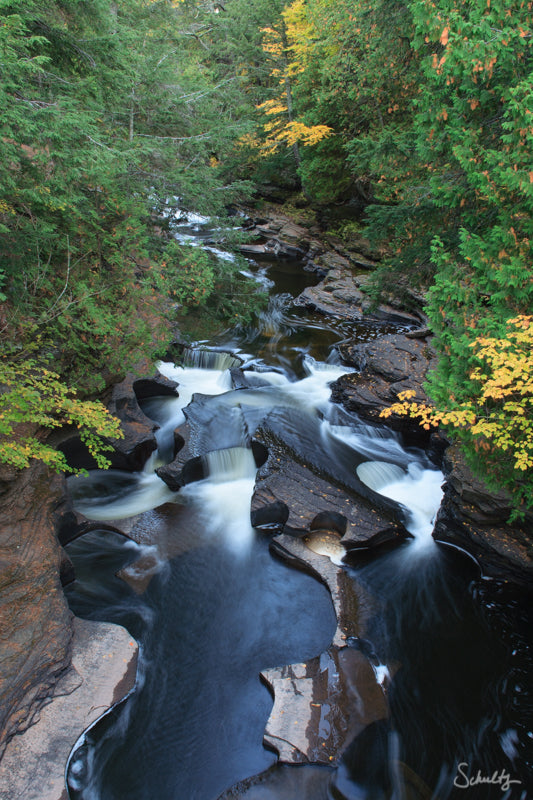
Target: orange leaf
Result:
[[444, 36]]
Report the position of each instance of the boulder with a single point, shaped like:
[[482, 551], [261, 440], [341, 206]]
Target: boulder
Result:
[[387, 366], [475, 518], [340, 294], [270, 517]]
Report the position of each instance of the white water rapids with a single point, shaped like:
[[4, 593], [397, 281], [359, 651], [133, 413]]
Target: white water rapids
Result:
[[223, 497]]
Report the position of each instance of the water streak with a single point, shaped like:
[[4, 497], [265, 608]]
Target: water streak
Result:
[[419, 490], [223, 499]]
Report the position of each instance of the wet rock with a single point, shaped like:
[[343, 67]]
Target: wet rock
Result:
[[139, 442], [320, 706], [353, 607], [357, 552], [331, 521], [281, 238], [307, 495], [35, 641], [131, 452], [387, 366], [316, 498], [340, 294], [178, 474], [273, 248], [156, 386], [281, 227], [271, 517], [326, 543], [103, 671], [188, 469], [282, 781], [356, 248], [184, 451], [475, 518]]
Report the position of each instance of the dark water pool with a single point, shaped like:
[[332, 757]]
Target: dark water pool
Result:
[[208, 624]]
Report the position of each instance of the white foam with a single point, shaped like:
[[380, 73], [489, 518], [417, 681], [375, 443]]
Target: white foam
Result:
[[419, 490], [192, 380], [147, 492]]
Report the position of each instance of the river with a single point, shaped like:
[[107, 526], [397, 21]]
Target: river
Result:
[[216, 607]]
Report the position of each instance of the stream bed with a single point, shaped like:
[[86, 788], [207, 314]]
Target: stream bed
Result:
[[217, 607]]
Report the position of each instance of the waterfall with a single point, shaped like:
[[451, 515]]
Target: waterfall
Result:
[[369, 441], [202, 358], [223, 499], [219, 607], [313, 392], [192, 380], [419, 490], [231, 464]]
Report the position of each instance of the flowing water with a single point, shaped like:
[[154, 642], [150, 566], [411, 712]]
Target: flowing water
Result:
[[219, 608]]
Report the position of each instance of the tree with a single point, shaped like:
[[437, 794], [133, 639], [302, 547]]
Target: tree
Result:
[[473, 131], [35, 399], [103, 118], [282, 127], [496, 420]]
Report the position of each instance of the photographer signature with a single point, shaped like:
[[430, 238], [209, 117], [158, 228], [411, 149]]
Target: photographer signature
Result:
[[463, 780]]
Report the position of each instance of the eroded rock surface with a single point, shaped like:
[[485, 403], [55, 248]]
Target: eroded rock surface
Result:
[[471, 515], [35, 637], [104, 659], [306, 495], [386, 367], [131, 452], [322, 705], [340, 294], [474, 517]]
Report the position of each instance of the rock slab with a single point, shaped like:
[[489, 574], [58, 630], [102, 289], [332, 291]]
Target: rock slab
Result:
[[35, 635], [104, 659]]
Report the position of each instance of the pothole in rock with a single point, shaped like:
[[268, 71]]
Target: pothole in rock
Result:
[[326, 543]]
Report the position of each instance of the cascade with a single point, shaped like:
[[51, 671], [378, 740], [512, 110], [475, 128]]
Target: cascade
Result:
[[219, 609]]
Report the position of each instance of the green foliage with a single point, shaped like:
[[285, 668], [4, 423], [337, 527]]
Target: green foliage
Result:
[[35, 397], [473, 124], [187, 274], [432, 110], [193, 278], [495, 419], [106, 110]]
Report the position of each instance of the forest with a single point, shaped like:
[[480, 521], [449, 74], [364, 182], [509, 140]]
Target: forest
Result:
[[416, 114]]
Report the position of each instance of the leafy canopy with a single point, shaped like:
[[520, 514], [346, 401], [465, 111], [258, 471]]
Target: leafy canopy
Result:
[[36, 396]]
